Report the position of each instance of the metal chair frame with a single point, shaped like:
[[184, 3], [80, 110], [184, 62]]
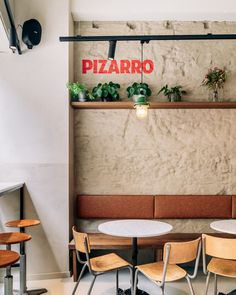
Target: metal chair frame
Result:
[[161, 284], [95, 273], [206, 272]]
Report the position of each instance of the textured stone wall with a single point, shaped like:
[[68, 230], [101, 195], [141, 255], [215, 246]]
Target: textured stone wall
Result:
[[172, 151], [176, 62]]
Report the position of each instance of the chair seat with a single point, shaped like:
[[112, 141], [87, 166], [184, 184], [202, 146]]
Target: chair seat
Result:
[[222, 267], [8, 258], [13, 238], [107, 262], [154, 271], [22, 223]]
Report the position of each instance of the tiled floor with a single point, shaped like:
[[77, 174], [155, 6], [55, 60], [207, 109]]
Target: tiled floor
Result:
[[105, 285]]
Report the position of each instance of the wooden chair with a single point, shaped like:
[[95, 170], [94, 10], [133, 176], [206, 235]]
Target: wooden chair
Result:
[[168, 270], [98, 265], [7, 258], [223, 262]]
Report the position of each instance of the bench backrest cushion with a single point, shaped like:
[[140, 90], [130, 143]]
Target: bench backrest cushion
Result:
[[193, 207], [115, 207]]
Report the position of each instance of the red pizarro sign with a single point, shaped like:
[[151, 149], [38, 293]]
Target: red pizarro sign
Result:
[[123, 66]]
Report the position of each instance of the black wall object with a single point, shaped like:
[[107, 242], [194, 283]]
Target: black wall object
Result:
[[14, 43], [31, 33]]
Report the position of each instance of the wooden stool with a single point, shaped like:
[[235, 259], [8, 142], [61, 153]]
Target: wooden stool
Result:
[[9, 239], [22, 224], [7, 258]]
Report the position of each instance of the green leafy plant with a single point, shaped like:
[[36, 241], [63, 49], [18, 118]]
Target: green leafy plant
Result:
[[215, 78], [173, 93], [106, 91], [79, 92], [139, 89]]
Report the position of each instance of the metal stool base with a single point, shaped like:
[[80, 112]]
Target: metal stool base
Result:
[[32, 292]]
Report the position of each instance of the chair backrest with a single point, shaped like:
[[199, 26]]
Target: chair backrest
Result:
[[81, 241], [181, 252], [219, 247]]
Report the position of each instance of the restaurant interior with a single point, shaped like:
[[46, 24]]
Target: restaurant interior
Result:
[[117, 147]]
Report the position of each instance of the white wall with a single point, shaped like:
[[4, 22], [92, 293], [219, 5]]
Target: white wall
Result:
[[149, 10], [34, 128]]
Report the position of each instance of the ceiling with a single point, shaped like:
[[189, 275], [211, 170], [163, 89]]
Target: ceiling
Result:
[[113, 10]]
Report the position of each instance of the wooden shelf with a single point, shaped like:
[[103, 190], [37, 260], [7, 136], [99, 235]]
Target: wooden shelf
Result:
[[155, 105]]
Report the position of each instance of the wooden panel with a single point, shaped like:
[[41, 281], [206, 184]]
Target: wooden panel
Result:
[[182, 252], [155, 105], [220, 247], [102, 241]]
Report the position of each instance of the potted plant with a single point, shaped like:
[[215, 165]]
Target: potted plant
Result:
[[173, 93], [139, 91], [79, 92], [214, 80], [106, 91]]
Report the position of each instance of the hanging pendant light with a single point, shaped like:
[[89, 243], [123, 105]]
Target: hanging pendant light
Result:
[[141, 110], [141, 106]]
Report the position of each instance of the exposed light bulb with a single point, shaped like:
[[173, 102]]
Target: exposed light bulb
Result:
[[141, 111]]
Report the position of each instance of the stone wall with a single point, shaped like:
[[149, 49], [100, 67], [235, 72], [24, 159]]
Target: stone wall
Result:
[[176, 62], [172, 151]]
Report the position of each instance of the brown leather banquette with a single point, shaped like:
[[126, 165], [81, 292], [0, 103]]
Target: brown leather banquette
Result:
[[148, 207], [155, 207]]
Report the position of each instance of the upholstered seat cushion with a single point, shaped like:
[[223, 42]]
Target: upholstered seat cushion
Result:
[[193, 207], [115, 207]]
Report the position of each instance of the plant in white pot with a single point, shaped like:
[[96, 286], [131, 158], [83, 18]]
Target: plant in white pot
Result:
[[79, 92], [173, 94], [138, 92]]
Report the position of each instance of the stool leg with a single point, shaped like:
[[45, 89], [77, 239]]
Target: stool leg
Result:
[[8, 282], [23, 274]]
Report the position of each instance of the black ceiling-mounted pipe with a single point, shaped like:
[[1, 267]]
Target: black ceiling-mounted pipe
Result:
[[13, 33], [146, 38]]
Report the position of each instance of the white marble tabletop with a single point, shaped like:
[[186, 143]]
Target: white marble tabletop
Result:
[[225, 226], [135, 228], [6, 187]]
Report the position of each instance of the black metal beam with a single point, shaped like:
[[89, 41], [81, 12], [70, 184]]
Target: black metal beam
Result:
[[11, 19], [147, 38]]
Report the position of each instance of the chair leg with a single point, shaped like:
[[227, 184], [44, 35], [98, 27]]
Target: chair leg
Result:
[[190, 285], [91, 286], [80, 276], [131, 280], [215, 284], [117, 281], [207, 282], [135, 282], [162, 290]]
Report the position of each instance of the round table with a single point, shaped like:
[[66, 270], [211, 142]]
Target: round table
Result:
[[225, 226], [134, 229]]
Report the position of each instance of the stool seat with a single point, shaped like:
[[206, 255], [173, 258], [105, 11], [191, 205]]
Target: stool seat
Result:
[[22, 223], [8, 258], [13, 238]]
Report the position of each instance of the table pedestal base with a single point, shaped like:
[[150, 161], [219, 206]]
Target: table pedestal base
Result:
[[128, 292]]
